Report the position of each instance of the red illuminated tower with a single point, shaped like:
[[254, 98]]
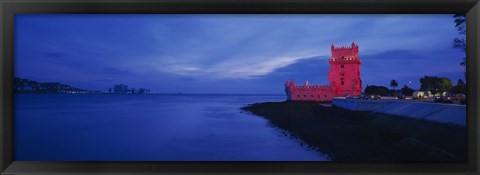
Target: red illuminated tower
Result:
[[344, 73]]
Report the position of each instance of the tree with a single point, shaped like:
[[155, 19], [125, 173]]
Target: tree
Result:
[[376, 90], [435, 84], [459, 88], [460, 24], [393, 84], [407, 91], [461, 83]]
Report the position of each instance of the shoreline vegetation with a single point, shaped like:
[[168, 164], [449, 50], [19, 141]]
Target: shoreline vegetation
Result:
[[346, 135]]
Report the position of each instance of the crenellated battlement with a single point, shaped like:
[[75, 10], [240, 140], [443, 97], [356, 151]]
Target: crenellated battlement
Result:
[[342, 47], [344, 60], [307, 92], [306, 86], [300, 88], [312, 88], [347, 52], [354, 46]]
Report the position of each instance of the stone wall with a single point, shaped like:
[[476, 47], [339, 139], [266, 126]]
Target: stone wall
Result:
[[444, 113]]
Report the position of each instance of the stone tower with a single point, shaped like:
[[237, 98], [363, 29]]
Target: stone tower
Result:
[[344, 73]]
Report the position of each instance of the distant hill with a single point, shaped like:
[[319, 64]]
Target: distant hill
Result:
[[27, 86]]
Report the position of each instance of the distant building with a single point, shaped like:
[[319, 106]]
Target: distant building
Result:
[[344, 78], [120, 89], [123, 89]]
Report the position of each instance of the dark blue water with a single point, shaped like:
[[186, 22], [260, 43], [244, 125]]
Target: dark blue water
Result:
[[107, 127]]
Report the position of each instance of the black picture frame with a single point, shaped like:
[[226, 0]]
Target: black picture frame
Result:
[[9, 8]]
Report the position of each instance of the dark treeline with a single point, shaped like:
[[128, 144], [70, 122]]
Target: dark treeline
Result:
[[22, 85], [427, 83]]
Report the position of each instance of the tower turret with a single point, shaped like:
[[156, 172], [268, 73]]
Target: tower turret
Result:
[[344, 73]]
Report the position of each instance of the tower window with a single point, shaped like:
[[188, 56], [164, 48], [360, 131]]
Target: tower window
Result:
[[342, 82], [342, 74], [342, 66]]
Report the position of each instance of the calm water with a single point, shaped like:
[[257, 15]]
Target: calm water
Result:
[[106, 127]]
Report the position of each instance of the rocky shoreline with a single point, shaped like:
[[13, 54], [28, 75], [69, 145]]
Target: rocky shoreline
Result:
[[346, 135]]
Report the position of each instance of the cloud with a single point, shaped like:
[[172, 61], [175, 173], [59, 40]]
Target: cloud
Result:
[[258, 66], [224, 48], [236, 46], [116, 72], [237, 67], [54, 54], [105, 80]]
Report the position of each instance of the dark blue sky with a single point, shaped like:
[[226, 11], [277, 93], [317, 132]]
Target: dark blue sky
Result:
[[229, 53]]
